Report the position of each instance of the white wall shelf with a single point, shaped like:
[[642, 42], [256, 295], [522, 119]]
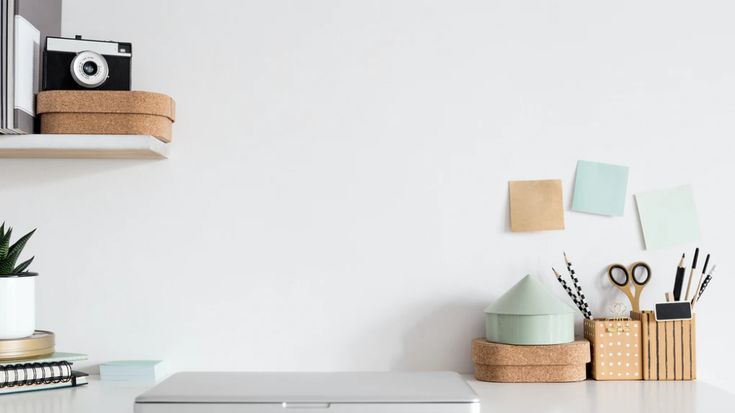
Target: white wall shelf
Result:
[[83, 146]]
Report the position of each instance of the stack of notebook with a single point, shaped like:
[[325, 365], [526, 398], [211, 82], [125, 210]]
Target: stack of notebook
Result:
[[50, 372], [25, 25]]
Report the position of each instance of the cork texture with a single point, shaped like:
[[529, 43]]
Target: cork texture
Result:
[[531, 374], [486, 352], [106, 101], [106, 124], [507, 363], [106, 112]]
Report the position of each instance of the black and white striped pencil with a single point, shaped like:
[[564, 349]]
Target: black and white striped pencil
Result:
[[702, 277], [578, 287], [569, 291], [706, 282]]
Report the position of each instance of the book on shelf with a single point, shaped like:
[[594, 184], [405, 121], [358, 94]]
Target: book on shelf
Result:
[[25, 25], [50, 372]]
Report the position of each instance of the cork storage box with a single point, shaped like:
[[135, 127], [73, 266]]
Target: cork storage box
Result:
[[106, 113], [555, 363], [616, 348], [669, 347]]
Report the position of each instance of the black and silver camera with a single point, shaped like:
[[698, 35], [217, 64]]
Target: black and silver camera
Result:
[[86, 64]]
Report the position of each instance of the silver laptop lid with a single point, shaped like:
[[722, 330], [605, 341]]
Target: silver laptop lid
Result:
[[236, 387]]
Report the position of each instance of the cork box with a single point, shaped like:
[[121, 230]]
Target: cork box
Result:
[[616, 348], [105, 112], [668, 347], [508, 363]]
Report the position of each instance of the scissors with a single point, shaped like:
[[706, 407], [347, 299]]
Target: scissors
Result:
[[637, 275]]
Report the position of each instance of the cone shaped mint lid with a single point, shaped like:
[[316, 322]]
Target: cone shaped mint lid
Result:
[[529, 297]]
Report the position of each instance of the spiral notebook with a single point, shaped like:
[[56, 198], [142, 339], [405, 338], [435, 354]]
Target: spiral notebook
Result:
[[41, 373], [78, 378]]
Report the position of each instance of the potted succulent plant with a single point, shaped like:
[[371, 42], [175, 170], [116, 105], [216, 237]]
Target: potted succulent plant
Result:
[[17, 288]]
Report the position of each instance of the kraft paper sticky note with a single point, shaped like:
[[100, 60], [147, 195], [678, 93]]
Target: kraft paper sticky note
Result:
[[536, 205], [668, 216], [600, 188]]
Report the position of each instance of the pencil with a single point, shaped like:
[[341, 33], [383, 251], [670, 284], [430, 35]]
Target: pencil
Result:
[[679, 280], [704, 286], [706, 282], [691, 273], [701, 280], [578, 287], [569, 291]]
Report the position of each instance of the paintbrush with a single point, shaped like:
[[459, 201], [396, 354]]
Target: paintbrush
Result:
[[691, 273]]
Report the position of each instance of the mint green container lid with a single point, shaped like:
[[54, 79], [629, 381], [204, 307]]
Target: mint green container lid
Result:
[[529, 314]]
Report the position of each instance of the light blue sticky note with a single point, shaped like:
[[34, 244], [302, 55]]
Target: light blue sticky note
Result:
[[668, 216], [600, 188], [130, 370]]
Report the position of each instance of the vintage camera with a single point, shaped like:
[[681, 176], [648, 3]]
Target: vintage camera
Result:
[[86, 64]]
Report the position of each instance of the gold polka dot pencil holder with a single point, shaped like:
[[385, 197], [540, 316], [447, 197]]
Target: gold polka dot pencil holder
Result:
[[616, 348], [669, 347]]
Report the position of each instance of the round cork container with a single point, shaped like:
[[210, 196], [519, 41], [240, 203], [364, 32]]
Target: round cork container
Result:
[[40, 344]]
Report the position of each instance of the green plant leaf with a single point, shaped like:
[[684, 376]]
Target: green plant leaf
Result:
[[5, 244], [16, 248], [7, 265], [2, 230], [22, 266]]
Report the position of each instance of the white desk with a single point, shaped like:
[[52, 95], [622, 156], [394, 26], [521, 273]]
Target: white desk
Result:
[[583, 397]]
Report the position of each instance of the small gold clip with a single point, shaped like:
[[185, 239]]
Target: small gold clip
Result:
[[618, 309], [618, 329]]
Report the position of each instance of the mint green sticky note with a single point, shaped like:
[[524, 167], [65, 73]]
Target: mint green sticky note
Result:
[[668, 216], [600, 188]]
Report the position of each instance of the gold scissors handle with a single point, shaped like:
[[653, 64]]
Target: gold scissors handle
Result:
[[638, 274]]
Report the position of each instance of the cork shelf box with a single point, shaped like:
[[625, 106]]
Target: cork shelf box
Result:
[[95, 112]]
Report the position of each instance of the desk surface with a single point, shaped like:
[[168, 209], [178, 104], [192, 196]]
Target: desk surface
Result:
[[587, 396]]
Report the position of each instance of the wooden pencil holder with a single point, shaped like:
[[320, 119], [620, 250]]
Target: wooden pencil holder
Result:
[[668, 347], [616, 348]]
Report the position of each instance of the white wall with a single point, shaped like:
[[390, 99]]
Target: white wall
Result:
[[338, 195]]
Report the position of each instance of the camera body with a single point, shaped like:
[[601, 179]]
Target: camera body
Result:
[[82, 64]]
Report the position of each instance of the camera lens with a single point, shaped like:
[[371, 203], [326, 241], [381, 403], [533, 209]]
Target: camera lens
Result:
[[90, 68]]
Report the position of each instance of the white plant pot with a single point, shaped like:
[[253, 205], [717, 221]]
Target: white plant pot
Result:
[[17, 306]]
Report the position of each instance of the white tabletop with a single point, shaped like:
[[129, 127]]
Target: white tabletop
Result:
[[604, 396], [588, 396]]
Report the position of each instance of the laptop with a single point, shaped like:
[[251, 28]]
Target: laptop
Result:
[[389, 392]]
